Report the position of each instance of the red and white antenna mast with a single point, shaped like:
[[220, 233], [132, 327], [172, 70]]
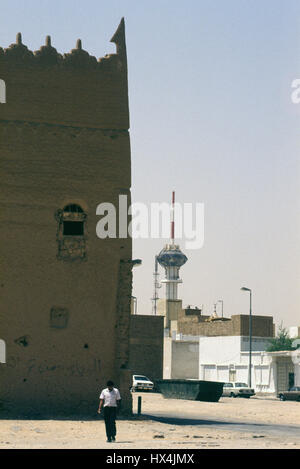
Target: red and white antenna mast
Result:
[[172, 259]]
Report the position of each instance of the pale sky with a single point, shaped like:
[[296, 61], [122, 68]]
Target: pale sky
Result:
[[212, 118]]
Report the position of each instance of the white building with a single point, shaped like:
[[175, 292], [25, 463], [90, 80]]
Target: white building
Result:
[[294, 332], [226, 358]]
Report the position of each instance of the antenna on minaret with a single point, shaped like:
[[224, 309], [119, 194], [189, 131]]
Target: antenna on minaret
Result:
[[156, 286], [173, 218]]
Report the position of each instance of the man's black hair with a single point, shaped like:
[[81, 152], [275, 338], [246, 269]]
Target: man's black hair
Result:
[[109, 383]]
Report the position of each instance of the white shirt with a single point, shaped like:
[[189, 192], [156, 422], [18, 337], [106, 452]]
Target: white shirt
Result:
[[110, 397]]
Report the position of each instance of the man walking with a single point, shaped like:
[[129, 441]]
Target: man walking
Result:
[[110, 400]]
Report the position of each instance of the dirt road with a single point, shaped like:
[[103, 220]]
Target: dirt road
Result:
[[169, 423]]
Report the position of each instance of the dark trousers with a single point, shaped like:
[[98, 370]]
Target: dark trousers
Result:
[[110, 414]]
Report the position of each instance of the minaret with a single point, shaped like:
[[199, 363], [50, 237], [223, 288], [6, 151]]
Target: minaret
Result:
[[171, 258]]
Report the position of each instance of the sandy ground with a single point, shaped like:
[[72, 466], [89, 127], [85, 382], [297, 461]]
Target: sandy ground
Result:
[[169, 423]]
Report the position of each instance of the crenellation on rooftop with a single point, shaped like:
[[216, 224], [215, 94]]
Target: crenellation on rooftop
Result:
[[18, 54], [73, 89]]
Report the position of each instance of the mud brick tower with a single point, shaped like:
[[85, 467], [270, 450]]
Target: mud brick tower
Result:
[[64, 293]]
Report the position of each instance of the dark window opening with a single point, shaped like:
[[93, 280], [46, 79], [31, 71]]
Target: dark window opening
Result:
[[73, 228], [291, 380]]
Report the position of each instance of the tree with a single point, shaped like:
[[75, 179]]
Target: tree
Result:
[[281, 342]]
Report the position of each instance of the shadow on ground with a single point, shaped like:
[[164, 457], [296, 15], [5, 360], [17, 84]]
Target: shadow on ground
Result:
[[67, 417], [205, 422], [267, 429]]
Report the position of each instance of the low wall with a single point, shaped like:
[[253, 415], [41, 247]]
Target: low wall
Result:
[[195, 390]]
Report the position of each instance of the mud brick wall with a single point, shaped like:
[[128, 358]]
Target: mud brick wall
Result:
[[262, 326], [65, 300], [146, 345], [238, 325]]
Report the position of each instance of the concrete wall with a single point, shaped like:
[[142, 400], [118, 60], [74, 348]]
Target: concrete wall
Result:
[[65, 301], [228, 349], [185, 360], [259, 344], [167, 363], [181, 359], [146, 346], [294, 332], [219, 350], [171, 310], [263, 374], [296, 362]]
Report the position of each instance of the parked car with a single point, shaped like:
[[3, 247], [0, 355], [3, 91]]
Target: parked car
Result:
[[237, 390], [141, 383], [292, 395]]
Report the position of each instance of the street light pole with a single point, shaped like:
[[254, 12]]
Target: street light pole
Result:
[[250, 337], [250, 340], [221, 301]]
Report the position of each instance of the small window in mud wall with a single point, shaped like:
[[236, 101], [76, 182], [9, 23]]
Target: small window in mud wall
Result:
[[73, 220], [71, 233]]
